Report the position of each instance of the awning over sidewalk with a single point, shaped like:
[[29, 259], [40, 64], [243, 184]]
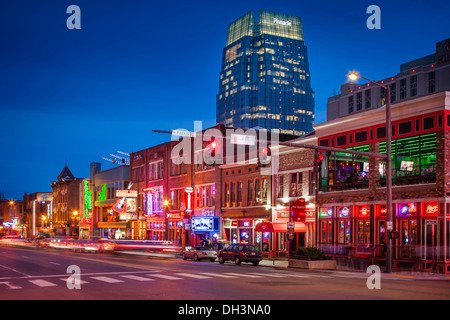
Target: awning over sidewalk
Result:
[[265, 226], [282, 227], [113, 225], [278, 227]]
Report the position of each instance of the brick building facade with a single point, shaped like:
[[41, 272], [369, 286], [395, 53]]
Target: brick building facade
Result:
[[66, 201], [352, 198]]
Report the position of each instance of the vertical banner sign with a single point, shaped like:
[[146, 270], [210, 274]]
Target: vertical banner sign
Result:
[[189, 191], [87, 198], [299, 210]]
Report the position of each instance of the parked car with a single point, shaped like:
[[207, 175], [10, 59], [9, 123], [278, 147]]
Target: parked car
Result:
[[199, 253], [241, 253]]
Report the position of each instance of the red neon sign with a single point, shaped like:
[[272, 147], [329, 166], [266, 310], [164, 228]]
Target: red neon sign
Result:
[[363, 211], [175, 215], [431, 208]]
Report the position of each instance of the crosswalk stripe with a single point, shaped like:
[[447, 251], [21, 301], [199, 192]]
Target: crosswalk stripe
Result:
[[75, 281], [191, 275], [163, 276], [270, 275], [218, 275], [107, 279], [243, 275], [10, 286], [133, 277], [42, 283]]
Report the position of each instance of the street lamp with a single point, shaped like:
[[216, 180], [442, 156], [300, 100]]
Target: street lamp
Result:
[[166, 204], [354, 76], [75, 215]]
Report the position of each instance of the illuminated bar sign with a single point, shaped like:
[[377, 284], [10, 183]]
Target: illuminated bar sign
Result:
[[126, 193], [205, 224], [364, 211], [102, 193], [326, 212], [189, 193], [430, 208], [407, 209], [175, 215], [87, 200], [344, 212]]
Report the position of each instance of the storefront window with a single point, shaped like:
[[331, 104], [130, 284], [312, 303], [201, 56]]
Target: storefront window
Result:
[[344, 231], [282, 241], [363, 231], [413, 159], [326, 231], [344, 171]]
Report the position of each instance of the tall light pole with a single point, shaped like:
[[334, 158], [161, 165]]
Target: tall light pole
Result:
[[166, 204], [354, 76]]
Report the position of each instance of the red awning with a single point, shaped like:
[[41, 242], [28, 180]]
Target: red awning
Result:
[[282, 227], [264, 227], [279, 227]]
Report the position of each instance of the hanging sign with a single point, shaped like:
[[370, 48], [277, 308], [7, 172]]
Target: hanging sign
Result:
[[299, 210]]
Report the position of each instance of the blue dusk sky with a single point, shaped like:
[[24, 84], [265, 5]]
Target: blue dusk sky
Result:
[[75, 96]]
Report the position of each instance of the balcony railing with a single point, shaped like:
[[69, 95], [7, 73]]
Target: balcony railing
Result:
[[364, 183]]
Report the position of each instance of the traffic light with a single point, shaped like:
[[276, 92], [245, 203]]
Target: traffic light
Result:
[[393, 235], [213, 147], [318, 157], [264, 157]]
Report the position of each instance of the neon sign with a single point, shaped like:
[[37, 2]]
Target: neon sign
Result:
[[407, 209], [175, 215], [87, 197], [364, 211], [204, 224], [344, 212], [326, 212], [431, 208], [102, 193]]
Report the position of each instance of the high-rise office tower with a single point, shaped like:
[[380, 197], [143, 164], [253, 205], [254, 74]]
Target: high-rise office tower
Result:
[[265, 80]]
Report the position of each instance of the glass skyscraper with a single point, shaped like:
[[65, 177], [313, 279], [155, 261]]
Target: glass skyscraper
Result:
[[265, 80]]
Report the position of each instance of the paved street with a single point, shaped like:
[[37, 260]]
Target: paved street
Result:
[[42, 274]]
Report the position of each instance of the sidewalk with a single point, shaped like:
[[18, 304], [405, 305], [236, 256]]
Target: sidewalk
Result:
[[283, 264]]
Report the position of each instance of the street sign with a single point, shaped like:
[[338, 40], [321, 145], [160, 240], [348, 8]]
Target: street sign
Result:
[[389, 226], [290, 230], [290, 227], [183, 133]]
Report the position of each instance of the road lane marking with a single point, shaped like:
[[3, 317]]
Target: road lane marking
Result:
[[163, 276], [191, 275], [43, 283], [107, 279], [14, 270], [402, 276], [133, 277]]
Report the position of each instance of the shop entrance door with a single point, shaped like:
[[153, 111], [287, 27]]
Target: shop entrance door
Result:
[[408, 239], [430, 239]]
